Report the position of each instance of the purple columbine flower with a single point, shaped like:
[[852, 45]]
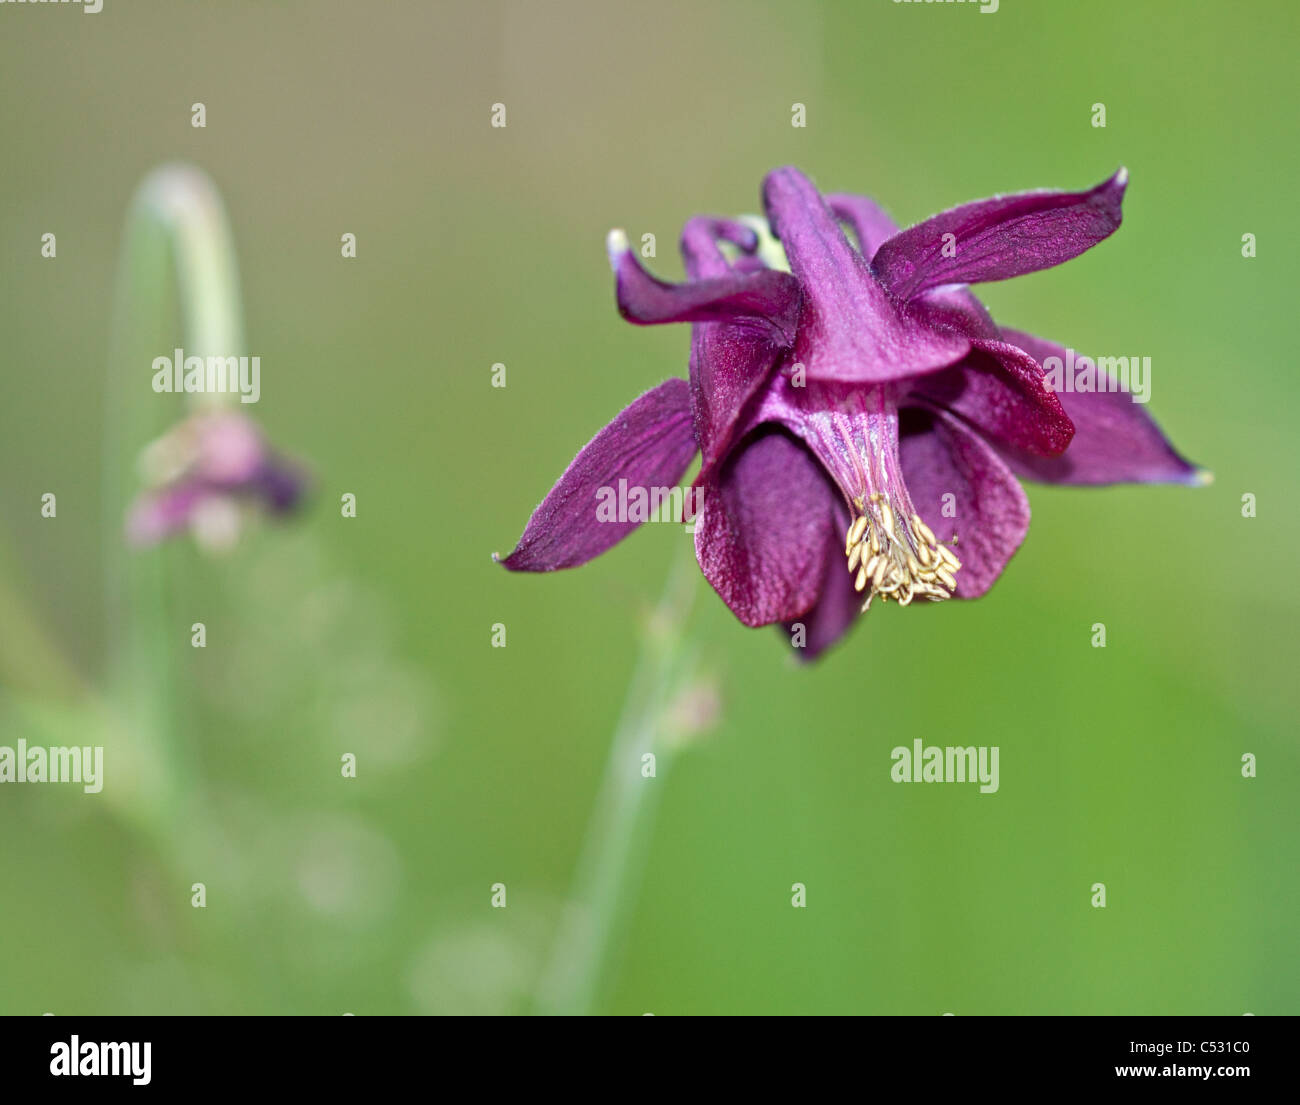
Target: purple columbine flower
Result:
[[203, 474], [861, 420]]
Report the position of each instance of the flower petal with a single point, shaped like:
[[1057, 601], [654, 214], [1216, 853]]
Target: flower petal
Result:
[[763, 528], [871, 226], [1001, 237], [157, 515], [649, 445], [989, 512], [850, 329], [730, 363], [1000, 390], [764, 299], [280, 485], [1115, 440], [838, 605], [956, 307], [700, 237]]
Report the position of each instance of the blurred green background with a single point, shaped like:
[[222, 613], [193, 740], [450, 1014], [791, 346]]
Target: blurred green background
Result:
[[481, 765]]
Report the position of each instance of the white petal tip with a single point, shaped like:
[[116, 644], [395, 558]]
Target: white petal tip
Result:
[[615, 246]]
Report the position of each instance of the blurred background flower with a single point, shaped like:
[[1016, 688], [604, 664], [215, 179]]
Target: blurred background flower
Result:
[[204, 475]]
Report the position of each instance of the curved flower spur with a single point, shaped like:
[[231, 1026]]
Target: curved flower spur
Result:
[[861, 419]]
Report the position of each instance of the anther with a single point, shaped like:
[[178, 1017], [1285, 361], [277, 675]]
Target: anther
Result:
[[897, 555]]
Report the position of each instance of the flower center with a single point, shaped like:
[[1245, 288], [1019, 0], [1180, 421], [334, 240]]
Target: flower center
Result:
[[892, 552], [897, 556]]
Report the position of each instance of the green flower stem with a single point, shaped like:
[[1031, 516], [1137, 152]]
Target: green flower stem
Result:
[[609, 869], [185, 205], [178, 252]]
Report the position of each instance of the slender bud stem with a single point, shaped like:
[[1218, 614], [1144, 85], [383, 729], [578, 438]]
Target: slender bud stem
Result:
[[608, 874], [177, 252]]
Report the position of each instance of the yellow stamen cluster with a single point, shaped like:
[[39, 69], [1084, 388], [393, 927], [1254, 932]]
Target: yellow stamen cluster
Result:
[[898, 558]]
